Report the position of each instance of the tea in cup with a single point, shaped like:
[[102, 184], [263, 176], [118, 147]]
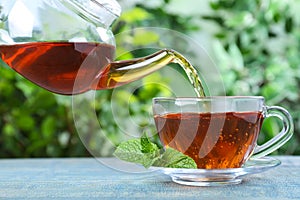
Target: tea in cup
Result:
[[218, 132]]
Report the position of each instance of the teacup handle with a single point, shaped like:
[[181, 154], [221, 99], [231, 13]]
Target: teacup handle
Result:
[[280, 139]]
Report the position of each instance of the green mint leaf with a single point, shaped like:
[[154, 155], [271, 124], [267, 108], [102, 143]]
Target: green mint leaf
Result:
[[147, 145], [132, 151], [175, 159], [144, 152]]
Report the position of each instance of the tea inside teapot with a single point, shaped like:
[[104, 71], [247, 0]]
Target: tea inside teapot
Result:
[[67, 47], [56, 65]]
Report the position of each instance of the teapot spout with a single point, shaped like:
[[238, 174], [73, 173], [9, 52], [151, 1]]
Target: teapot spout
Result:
[[122, 72]]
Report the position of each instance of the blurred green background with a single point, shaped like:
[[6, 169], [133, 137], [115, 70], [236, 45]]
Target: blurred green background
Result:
[[254, 43]]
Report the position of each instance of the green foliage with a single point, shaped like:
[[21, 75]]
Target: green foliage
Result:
[[257, 47], [32, 122]]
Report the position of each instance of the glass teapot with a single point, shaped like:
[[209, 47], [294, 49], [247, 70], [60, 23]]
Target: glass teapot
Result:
[[67, 46]]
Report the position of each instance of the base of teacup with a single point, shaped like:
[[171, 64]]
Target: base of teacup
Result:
[[219, 177], [206, 182]]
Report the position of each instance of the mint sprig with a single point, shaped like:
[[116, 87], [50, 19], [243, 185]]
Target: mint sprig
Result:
[[143, 151], [134, 151], [174, 159]]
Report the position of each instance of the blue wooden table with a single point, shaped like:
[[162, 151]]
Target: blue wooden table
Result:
[[89, 178]]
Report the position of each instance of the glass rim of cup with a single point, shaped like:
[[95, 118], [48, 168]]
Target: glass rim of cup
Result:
[[208, 98]]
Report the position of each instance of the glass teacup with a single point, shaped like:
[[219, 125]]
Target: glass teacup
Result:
[[218, 132]]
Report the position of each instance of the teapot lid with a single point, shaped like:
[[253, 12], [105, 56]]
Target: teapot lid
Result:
[[103, 11]]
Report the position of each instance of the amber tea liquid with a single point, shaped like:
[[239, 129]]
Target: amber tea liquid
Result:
[[55, 65], [213, 140]]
